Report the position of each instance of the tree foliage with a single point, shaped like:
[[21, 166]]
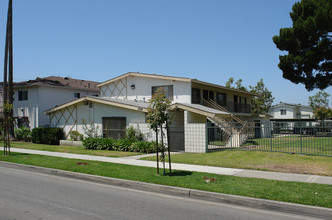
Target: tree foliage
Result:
[[261, 104], [308, 42], [320, 105], [319, 100], [159, 116]]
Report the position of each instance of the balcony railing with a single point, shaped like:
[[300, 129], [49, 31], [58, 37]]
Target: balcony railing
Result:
[[235, 107]]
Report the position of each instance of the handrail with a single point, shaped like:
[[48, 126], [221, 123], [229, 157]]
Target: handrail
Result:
[[216, 105]]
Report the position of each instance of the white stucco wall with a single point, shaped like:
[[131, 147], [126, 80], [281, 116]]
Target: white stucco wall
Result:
[[143, 89], [41, 99], [292, 112], [276, 112], [27, 108], [71, 118]]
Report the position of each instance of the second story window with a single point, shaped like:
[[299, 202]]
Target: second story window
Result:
[[77, 95], [221, 99], [168, 91], [22, 95], [195, 96], [283, 112]]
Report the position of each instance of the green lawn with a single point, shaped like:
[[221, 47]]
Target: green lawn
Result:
[[302, 193], [71, 149], [258, 160], [293, 143]]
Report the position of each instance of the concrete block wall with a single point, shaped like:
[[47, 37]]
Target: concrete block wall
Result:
[[195, 134]]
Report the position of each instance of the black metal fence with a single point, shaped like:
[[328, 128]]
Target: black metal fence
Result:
[[304, 137]]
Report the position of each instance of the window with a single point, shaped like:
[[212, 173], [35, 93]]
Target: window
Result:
[[168, 91], [22, 95], [195, 96], [221, 99], [114, 127], [283, 112], [77, 95]]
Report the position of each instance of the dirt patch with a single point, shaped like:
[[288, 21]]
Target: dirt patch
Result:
[[296, 168]]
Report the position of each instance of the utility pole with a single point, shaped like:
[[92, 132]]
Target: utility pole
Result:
[[8, 81]]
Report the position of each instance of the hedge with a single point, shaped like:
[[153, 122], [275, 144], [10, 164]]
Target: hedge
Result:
[[119, 145], [50, 136]]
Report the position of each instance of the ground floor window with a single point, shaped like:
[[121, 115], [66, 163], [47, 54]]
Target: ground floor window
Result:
[[114, 127]]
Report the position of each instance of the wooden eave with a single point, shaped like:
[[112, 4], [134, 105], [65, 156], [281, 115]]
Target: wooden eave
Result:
[[154, 76], [91, 99], [223, 87]]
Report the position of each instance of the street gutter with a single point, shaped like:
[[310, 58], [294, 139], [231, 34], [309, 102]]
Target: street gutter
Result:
[[286, 207]]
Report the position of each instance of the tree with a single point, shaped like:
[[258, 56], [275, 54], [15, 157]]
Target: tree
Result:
[[158, 116], [308, 42], [320, 105], [261, 104], [238, 84], [230, 82], [319, 100]]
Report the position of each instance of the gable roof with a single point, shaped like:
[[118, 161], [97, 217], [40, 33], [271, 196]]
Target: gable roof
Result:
[[122, 103], [284, 104], [173, 78], [56, 81], [147, 75], [140, 106]]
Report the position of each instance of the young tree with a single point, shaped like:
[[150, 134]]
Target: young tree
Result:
[[308, 42], [261, 104], [319, 100], [158, 116], [320, 105]]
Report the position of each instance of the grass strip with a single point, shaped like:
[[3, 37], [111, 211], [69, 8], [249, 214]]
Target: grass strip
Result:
[[295, 192], [258, 160], [71, 149]]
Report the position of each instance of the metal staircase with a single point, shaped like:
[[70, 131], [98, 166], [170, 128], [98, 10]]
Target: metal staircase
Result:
[[233, 127]]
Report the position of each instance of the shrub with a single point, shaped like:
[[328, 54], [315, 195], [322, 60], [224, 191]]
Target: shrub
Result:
[[133, 134], [23, 134], [75, 136], [119, 145], [47, 135]]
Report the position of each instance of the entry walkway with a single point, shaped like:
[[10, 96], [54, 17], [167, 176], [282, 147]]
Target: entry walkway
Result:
[[187, 167]]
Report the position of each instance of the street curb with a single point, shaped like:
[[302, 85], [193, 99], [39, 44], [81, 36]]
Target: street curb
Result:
[[293, 208]]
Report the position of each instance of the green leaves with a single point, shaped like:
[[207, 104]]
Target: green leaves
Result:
[[308, 42]]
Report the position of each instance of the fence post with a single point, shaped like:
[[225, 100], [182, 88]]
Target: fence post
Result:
[[301, 137], [271, 134]]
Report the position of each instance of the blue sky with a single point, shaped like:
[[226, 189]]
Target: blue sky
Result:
[[210, 40]]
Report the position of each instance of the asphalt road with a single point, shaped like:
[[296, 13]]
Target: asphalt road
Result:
[[28, 195]]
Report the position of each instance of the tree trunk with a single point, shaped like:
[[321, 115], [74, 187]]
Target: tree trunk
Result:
[[157, 151], [168, 148]]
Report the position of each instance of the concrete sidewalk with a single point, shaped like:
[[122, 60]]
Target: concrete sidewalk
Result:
[[187, 167]]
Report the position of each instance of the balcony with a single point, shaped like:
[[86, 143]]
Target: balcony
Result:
[[232, 107]]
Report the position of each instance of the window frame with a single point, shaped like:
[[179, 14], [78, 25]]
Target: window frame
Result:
[[169, 91], [23, 95], [117, 132]]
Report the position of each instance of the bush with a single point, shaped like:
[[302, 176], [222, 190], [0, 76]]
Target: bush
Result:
[[119, 145], [133, 134], [75, 136], [23, 134], [50, 136]]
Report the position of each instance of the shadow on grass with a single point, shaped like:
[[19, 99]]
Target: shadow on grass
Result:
[[180, 173]]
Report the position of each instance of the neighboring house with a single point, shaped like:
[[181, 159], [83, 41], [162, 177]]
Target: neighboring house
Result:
[[33, 97], [291, 111], [291, 118], [123, 102]]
